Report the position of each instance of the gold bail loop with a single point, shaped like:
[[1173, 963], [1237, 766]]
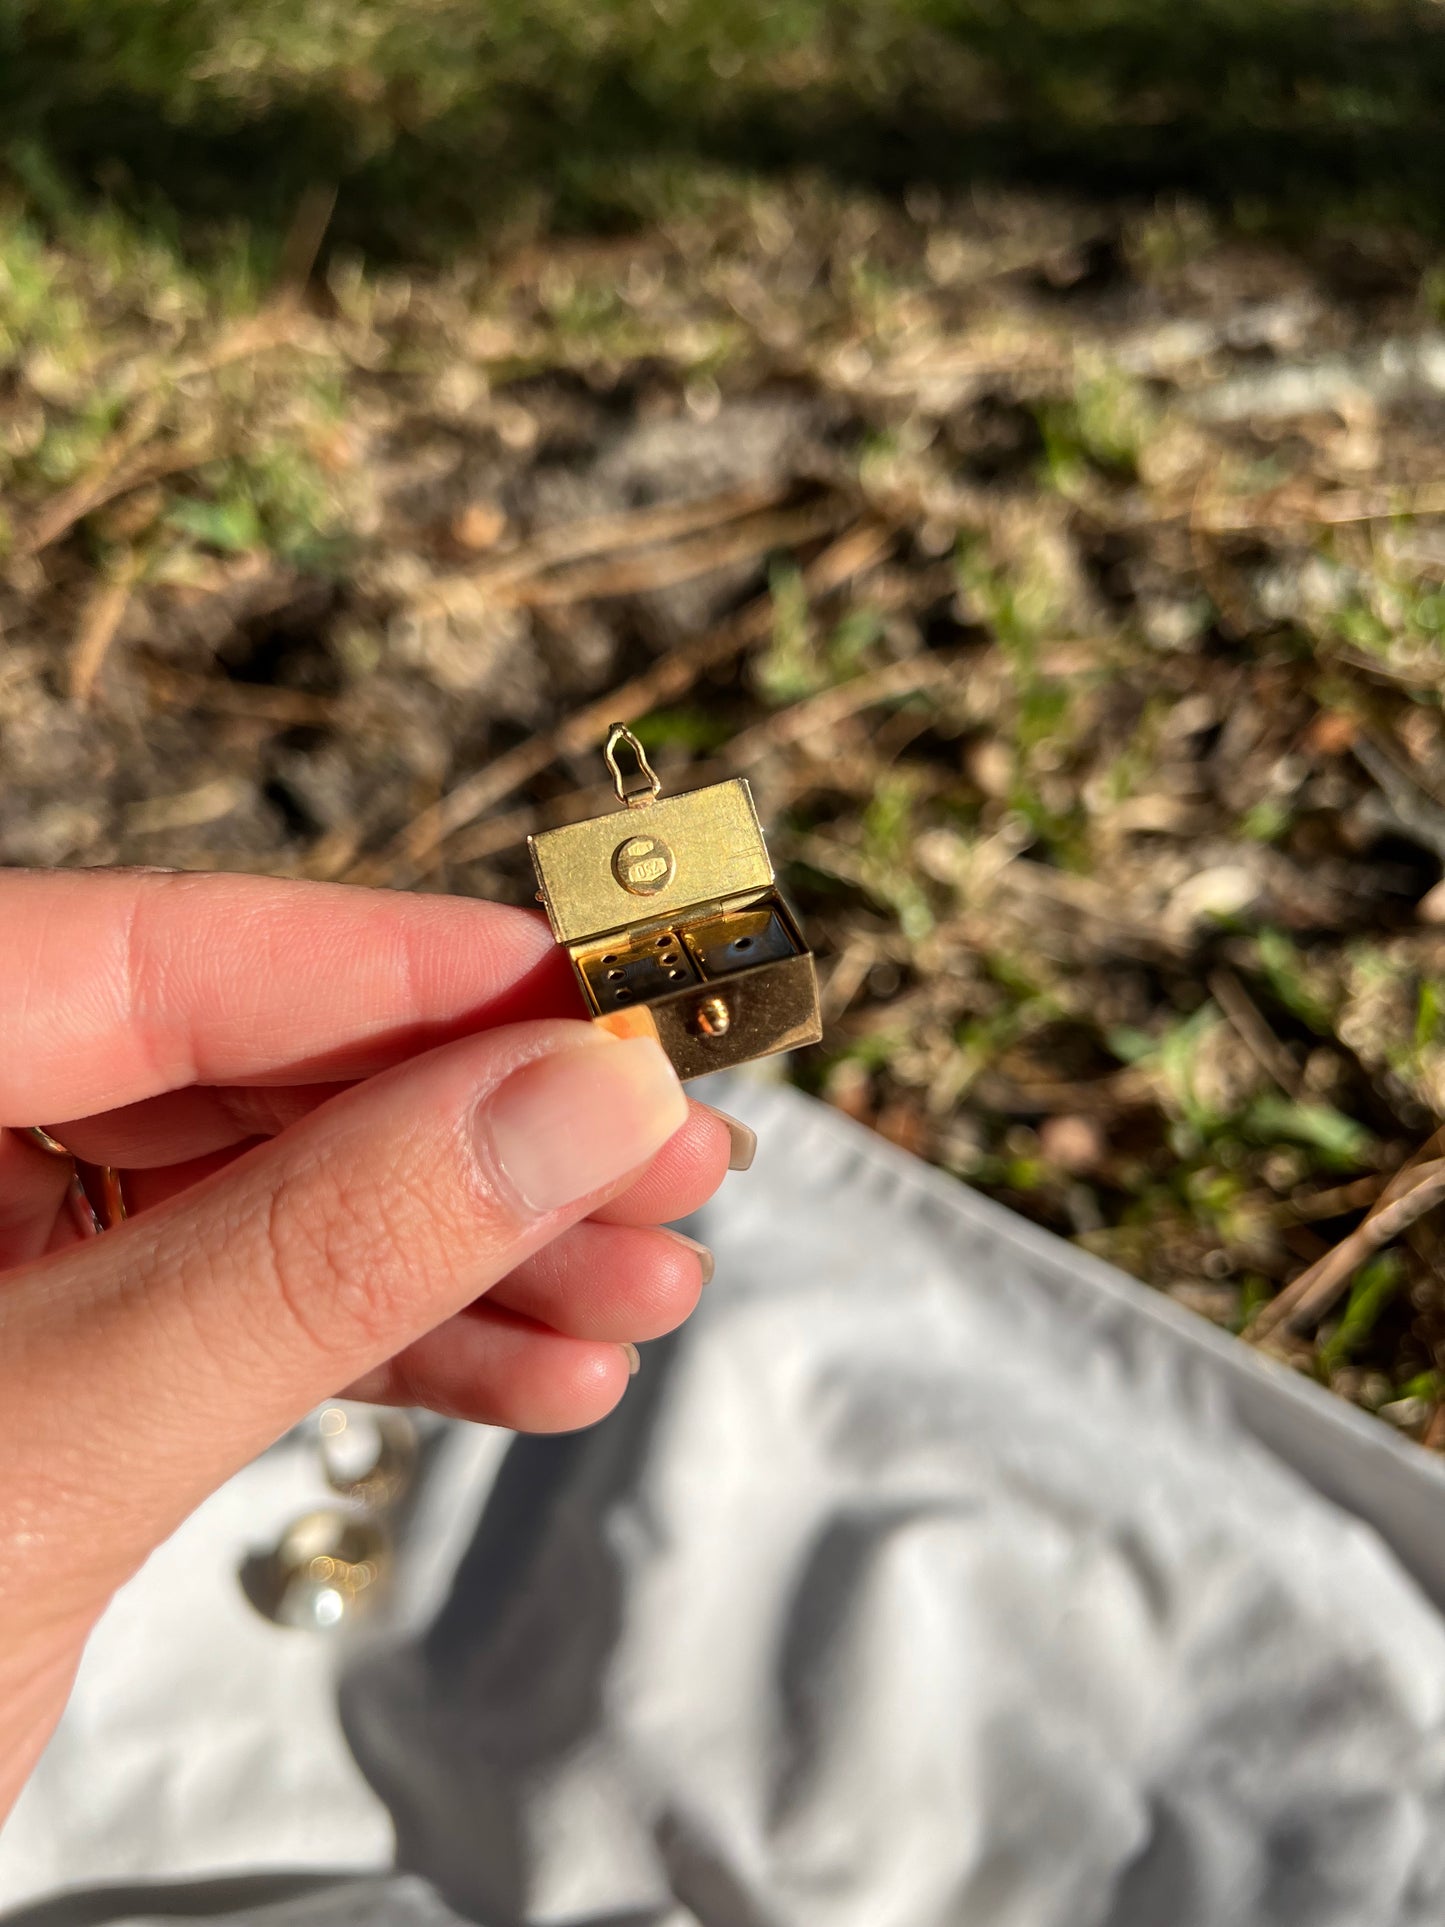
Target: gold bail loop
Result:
[[639, 786]]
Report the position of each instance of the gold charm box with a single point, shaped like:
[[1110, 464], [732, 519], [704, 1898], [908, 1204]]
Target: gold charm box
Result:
[[674, 922]]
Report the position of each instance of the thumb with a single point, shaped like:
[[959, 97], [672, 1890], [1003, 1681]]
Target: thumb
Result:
[[138, 1370]]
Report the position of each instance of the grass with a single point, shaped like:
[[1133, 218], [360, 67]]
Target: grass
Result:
[[441, 120], [993, 266]]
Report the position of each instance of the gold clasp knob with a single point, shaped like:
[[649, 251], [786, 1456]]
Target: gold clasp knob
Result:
[[640, 785], [711, 1018]]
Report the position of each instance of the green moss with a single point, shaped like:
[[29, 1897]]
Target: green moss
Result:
[[1295, 981], [887, 856], [1429, 1009], [1255, 1293], [873, 1050], [1374, 1285], [1340, 1142], [272, 497], [1105, 425], [789, 668], [1266, 822], [693, 728]]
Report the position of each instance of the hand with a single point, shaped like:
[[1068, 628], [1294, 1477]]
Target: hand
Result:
[[366, 1150]]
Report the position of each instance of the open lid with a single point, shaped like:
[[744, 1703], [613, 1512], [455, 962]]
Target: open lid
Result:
[[652, 860]]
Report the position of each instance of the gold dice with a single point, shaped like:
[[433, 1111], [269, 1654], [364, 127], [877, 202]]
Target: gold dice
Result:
[[674, 922]]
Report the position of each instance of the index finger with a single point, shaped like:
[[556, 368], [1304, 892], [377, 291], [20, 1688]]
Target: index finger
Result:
[[118, 985]]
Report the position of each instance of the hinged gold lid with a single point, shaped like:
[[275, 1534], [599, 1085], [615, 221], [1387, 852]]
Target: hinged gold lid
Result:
[[673, 921], [653, 859]]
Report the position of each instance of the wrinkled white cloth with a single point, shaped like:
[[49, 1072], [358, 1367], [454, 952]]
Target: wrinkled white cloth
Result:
[[934, 1574]]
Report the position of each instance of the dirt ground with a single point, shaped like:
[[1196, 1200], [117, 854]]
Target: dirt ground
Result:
[[1068, 576]]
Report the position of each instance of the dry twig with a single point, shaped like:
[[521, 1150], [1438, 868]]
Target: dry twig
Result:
[[609, 535], [263, 702], [302, 246], [665, 567], [123, 461], [1414, 1190], [1293, 508], [830, 707], [1259, 1040], [1336, 1201], [104, 613]]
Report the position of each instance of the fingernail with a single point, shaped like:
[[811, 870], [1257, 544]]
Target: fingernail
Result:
[[743, 1142], [565, 1126], [704, 1256], [633, 1357]]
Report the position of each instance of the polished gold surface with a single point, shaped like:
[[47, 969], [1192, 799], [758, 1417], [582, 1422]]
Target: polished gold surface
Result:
[[638, 784], [367, 1456], [711, 1017], [332, 1562], [740, 936], [673, 922], [633, 966], [712, 835], [692, 988], [327, 1565], [772, 1008], [643, 865]]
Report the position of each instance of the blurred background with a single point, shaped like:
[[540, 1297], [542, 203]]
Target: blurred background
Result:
[[1007, 431]]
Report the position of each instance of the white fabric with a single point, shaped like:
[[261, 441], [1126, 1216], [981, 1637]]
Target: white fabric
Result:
[[935, 1574]]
